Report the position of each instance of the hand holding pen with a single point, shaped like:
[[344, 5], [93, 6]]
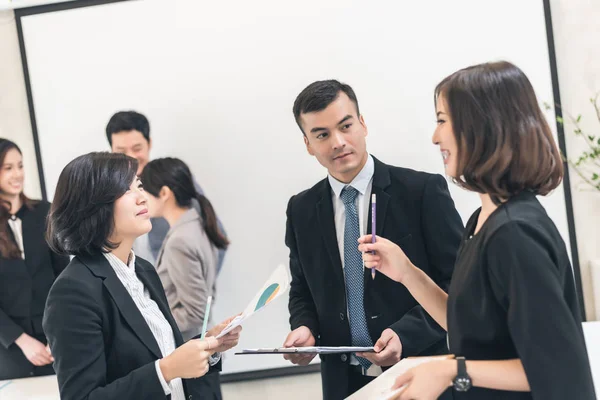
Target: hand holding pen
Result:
[[386, 257]]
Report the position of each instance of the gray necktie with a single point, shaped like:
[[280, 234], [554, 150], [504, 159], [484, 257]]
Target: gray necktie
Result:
[[354, 272]]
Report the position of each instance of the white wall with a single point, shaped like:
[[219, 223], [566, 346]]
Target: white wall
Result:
[[14, 113], [577, 36], [15, 125], [202, 96]]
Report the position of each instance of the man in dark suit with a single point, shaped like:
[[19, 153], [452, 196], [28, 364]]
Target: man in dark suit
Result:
[[334, 301]]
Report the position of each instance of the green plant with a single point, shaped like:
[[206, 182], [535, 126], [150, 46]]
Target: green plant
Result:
[[587, 164]]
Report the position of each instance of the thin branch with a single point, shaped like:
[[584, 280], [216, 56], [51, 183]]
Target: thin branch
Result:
[[587, 180], [595, 103], [592, 145], [588, 163]]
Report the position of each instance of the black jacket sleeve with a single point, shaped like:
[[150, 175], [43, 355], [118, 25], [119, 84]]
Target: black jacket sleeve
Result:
[[301, 305], [538, 294], [9, 330], [73, 325]]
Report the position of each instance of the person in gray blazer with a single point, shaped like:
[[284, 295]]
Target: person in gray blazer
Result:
[[187, 261]]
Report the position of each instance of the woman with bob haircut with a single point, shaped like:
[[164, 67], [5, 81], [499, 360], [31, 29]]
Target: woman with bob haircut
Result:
[[107, 319], [511, 311]]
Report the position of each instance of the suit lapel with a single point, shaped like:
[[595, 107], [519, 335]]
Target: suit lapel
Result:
[[159, 298], [327, 228], [127, 307]]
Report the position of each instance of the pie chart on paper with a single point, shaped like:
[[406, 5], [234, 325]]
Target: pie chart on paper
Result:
[[269, 294]]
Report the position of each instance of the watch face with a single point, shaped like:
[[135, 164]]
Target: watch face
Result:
[[462, 384]]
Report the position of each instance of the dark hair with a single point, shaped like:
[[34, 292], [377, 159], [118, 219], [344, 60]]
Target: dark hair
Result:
[[505, 145], [8, 246], [81, 219], [320, 94], [125, 121], [175, 174]]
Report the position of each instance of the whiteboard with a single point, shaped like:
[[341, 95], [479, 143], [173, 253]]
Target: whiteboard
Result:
[[218, 80]]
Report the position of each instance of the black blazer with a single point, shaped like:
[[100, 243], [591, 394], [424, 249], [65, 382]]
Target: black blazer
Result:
[[102, 346], [414, 210], [24, 286]]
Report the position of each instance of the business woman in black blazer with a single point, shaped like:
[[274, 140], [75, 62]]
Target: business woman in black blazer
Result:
[[27, 270], [107, 318]]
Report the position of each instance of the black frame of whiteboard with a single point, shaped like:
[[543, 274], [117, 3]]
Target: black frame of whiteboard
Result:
[[259, 374]]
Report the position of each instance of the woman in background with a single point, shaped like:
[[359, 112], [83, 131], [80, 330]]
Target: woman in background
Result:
[[511, 311], [187, 261], [27, 270]]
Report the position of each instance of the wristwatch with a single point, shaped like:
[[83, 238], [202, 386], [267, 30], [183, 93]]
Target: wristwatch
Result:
[[462, 382]]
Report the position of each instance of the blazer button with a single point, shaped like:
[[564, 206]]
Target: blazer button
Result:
[[342, 316], [344, 358]]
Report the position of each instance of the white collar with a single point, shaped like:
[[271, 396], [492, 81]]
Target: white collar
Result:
[[114, 260], [360, 181]]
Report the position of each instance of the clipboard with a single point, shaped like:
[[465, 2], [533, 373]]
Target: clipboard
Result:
[[308, 350]]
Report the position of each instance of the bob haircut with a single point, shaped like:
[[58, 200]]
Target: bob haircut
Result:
[[505, 145], [81, 219]]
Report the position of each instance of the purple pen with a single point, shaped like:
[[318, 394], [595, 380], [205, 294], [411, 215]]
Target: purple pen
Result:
[[373, 226]]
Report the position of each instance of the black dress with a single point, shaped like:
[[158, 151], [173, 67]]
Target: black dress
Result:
[[513, 295], [24, 286]]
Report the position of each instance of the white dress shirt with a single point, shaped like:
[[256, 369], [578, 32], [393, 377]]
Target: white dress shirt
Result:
[[363, 182], [16, 226], [158, 324]]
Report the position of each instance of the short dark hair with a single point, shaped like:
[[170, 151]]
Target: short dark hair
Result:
[[176, 175], [320, 94], [125, 121], [505, 145], [81, 219]]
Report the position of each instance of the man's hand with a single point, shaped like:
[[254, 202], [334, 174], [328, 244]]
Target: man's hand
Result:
[[300, 337], [388, 350]]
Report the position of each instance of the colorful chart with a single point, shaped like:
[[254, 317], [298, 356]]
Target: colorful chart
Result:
[[268, 295]]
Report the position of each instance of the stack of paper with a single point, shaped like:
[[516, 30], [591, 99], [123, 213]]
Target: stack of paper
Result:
[[381, 388]]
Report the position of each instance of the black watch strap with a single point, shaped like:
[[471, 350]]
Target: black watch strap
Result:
[[462, 366], [462, 382]]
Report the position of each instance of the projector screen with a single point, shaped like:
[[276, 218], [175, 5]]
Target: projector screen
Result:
[[218, 79]]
